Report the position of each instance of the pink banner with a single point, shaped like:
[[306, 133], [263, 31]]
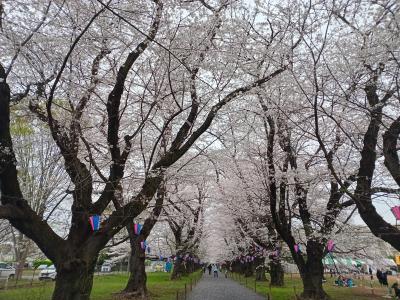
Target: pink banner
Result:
[[91, 222], [396, 212], [330, 245]]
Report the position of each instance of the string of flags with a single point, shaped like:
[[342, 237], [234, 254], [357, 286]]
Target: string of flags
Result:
[[261, 252], [95, 224]]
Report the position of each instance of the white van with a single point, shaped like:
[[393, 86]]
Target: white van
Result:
[[6, 271]]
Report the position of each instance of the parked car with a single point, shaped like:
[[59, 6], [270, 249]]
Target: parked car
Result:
[[6, 270], [105, 268], [48, 273], [42, 267]]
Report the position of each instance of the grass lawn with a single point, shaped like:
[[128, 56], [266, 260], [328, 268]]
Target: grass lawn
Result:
[[159, 285], [293, 285]]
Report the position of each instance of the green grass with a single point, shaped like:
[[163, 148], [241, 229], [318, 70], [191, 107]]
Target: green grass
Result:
[[293, 286], [159, 285]]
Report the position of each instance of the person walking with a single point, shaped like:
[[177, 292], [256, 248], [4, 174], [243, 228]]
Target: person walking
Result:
[[384, 279], [209, 269], [215, 270], [396, 289], [379, 275]]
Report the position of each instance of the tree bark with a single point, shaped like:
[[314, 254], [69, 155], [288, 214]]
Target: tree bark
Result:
[[136, 285], [276, 272], [260, 269], [137, 279], [248, 272], [179, 268], [74, 280], [23, 254], [313, 272], [312, 285]]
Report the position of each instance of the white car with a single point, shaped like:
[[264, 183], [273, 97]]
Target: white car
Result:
[[42, 267], [105, 268], [48, 273], [6, 271]]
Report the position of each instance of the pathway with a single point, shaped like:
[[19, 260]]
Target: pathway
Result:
[[220, 288]]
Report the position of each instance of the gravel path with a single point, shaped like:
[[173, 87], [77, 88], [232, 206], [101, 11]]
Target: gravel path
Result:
[[220, 288]]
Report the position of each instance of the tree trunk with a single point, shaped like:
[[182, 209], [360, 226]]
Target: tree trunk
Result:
[[74, 282], [313, 273], [136, 286], [276, 272], [312, 284], [248, 271], [23, 254], [179, 268], [260, 272]]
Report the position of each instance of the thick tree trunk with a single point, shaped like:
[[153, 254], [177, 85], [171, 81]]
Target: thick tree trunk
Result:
[[75, 281], [276, 272], [260, 272], [313, 273], [248, 272], [179, 268], [136, 286], [23, 254], [312, 284]]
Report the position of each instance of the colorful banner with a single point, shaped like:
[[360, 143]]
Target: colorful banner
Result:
[[137, 228], [396, 212], [95, 222], [143, 245], [330, 245]]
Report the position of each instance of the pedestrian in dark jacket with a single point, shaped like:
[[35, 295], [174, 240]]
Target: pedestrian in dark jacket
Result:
[[396, 288], [209, 269], [379, 275], [384, 279]]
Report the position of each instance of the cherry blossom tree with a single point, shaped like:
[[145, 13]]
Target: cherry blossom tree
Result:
[[84, 69]]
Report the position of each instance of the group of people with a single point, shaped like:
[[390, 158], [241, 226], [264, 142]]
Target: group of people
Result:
[[383, 281], [211, 268], [344, 281]]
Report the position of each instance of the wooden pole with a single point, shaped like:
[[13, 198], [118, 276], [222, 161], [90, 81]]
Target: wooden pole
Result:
[[33, 276], [185, 291]]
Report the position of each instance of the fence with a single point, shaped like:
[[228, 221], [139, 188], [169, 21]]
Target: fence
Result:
[[28, 277], [182, 294], [250, 282]]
